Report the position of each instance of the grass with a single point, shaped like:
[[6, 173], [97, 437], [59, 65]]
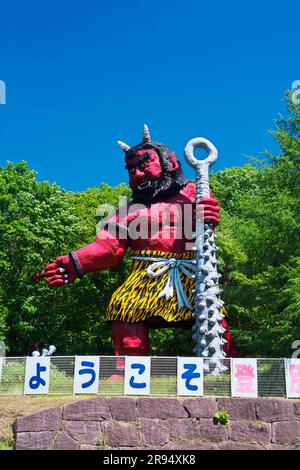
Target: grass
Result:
[[12, 407]]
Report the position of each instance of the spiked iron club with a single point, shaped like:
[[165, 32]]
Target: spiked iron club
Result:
[[207, 328]]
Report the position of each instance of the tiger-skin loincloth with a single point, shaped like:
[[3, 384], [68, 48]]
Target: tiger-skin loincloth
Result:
[[137, 299]]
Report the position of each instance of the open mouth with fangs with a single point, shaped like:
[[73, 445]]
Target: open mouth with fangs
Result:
[[144, 184]]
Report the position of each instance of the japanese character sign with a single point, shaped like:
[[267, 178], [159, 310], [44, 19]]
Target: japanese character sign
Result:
[[292, 377], [190, 376], [37, 376], [86, 374], [137, 375], [244, 378]]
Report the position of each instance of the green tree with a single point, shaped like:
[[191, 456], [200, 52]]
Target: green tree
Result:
[[259, 245], [39, 222]]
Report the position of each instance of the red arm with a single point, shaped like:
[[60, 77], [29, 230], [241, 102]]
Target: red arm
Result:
[[107, 251]]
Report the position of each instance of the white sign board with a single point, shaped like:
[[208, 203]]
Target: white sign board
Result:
[[86, 374], [37, 375], [292, 377], [244, 378], [190, 376], [2, 92], [137, 375]]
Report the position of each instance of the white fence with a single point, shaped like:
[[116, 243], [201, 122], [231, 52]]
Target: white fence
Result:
[[271, 375]]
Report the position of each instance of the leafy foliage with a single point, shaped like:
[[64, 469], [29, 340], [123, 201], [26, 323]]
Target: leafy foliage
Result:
[[38, 222], [222, 417], [259, 245]]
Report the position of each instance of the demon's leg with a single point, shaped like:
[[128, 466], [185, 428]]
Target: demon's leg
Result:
[[129, 339]]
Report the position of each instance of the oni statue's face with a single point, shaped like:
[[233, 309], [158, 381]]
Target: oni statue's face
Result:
[[143, 168], [154, 173]]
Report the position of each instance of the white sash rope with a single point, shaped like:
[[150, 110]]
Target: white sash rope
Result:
[[161, 265]]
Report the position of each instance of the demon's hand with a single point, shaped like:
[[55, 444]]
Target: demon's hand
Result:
[[209, 208], [62, 271]]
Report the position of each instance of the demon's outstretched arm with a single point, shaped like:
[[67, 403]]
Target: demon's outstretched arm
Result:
[[107, 251]]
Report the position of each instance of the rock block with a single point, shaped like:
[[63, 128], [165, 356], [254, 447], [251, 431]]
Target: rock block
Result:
[[183, 429], [209, 431], [201, 407], [286, 432], [161, 408], [120, 434], [87, 432], [153, 432], [42, 440], [94, 409], [297, 408], [47, 420], [238, 408], [65, 442], [250, 431], [123, 409], [271, 410]]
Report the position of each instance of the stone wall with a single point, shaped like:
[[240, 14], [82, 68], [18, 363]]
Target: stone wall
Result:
[[162, 423]]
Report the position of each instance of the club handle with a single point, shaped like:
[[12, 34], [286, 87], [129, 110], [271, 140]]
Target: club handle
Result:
[[200, 142]]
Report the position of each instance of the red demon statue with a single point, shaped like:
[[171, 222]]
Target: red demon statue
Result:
[[156, 294]]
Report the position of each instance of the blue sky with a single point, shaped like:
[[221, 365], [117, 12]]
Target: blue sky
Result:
[[81, 75]]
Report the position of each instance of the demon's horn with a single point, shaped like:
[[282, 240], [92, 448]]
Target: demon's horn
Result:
[[146, 134], [123, 146]]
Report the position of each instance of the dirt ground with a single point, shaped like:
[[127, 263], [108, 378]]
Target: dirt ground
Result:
[[12, 407]]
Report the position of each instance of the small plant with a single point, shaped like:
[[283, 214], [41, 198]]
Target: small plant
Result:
[[222, 417], [7, 443]]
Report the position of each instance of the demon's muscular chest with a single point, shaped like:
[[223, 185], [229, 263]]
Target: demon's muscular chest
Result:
[[164, 226]]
